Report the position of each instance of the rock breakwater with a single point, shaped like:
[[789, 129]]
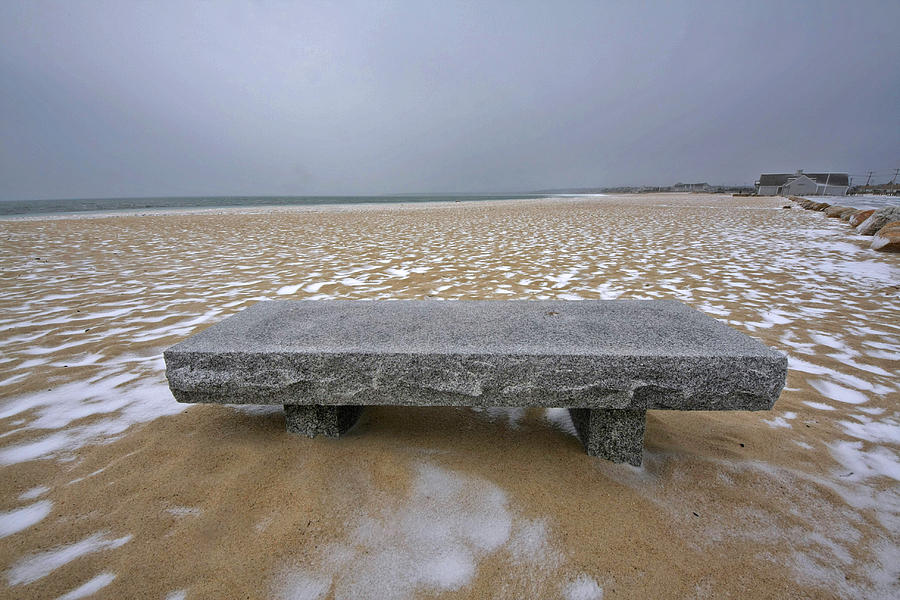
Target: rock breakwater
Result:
[[882, 224]]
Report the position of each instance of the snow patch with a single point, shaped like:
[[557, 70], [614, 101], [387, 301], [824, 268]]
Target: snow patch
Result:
[[34, 492], [560, 418], [427, 543], [834, 391], [90, 587], [17, 519], [36, 566], [288, 289], [583, 588]]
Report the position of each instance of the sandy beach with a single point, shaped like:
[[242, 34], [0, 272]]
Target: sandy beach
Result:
[[108, 486]]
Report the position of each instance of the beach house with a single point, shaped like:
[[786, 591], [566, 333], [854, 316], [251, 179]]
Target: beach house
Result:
[[803, 184]]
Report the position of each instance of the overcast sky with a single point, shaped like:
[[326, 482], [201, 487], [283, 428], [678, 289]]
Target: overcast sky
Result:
[[218, 98]]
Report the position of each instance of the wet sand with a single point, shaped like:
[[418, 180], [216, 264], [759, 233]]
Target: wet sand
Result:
[[108, 485]]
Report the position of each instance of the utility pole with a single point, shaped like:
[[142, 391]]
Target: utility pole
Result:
[[894, 178], [868, 177]]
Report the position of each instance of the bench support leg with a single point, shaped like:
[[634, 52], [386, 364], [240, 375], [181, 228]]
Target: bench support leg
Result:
[[613, 434], [312, 420]]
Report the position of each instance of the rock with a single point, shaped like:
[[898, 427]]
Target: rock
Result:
[[887, 239], [845, 214], [788, 206], [835, 210], [879, 219], [860, 216], [857, 217], [820, 206]]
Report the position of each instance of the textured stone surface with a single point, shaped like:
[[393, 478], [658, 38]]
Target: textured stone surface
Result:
[[835, 210], [887, 239], [312, 420], [589, 354], [879, 219], [860, 216], [592, 354], [616, 435], [846, 214]]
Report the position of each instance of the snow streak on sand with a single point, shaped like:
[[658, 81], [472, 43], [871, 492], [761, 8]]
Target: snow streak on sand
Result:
[[32, 568], [114, 402], [819, 556], [88, 305], [90, 587], [431, 542], [16, 520]]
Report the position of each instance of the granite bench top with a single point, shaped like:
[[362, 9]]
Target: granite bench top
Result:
[[635, 354]]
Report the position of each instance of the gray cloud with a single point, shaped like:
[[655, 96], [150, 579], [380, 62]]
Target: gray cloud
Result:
[[127, 99]]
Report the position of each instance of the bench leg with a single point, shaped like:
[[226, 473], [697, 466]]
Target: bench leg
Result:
[[613, 434], [313, 419]]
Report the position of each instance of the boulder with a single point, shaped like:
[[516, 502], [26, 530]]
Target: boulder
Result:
[[845, 214], [835, 210], [859, 216], [879, 219], [887, 239], [820, 206]]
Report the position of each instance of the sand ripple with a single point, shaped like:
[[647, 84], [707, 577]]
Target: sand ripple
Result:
[[807, 493]]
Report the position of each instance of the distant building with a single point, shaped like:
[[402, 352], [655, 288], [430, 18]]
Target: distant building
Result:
[[691, 187], [803, 184]]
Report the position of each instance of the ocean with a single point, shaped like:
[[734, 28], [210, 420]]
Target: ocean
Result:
[[82, 205], [89, 205]]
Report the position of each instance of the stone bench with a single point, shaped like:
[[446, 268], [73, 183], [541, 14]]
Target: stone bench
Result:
[[607, 361]]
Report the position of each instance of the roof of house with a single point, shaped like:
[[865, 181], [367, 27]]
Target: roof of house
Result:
[[767, 179]]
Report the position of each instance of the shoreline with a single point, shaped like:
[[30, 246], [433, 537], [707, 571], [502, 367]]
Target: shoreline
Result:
[[368, 206], [257, 209]]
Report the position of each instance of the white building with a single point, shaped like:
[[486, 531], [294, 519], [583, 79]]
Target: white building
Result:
[[803, 184]]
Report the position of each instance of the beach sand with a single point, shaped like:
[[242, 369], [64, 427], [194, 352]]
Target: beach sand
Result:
[[107, 485]]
